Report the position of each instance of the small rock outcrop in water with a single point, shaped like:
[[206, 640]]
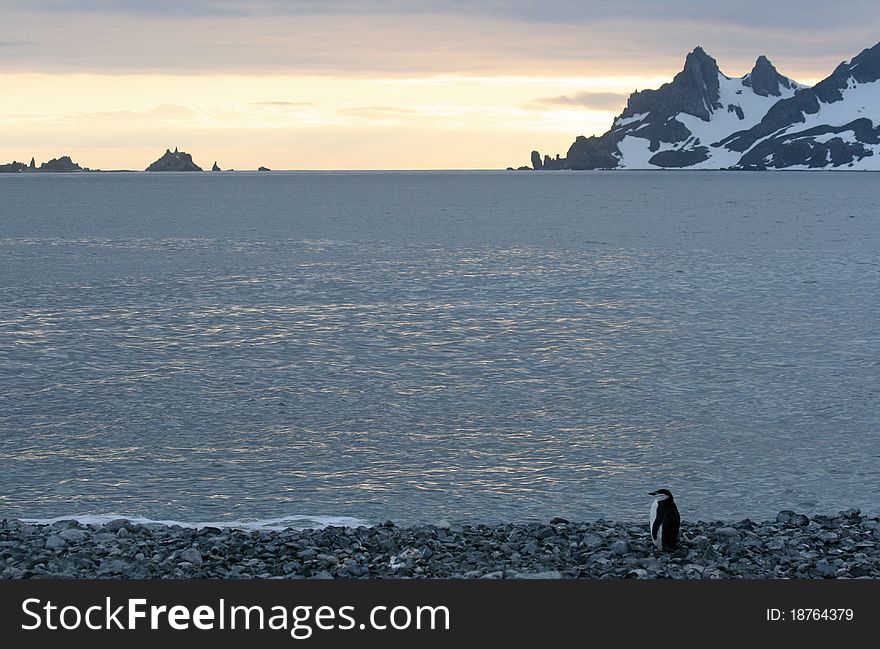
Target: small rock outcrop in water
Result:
[[536, 160], [33, 164], [264, 169], [791, 546], [216, 167], [176, 161]]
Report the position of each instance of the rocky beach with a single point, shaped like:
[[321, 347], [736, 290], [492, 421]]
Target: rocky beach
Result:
[[793, 545]]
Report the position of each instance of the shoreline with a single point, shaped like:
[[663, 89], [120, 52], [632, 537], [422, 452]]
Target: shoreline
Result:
[[846, 545]]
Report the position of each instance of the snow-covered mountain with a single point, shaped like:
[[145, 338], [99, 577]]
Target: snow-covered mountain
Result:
[[704, 119], [834, 124]]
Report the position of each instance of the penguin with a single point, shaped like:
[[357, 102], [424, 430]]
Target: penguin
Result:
[[665, 520]]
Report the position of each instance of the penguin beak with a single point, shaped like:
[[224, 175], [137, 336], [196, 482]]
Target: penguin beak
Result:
[[653, 493]]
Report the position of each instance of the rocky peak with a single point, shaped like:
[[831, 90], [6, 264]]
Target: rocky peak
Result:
[[694, 90], [700, 76], [698, 64], [765, 80], [865, 68]]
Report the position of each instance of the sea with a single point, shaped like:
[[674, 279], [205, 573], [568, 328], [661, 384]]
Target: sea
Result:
[[265, 350]]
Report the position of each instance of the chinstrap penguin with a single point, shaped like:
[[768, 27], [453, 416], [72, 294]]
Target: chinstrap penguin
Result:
[[665, 520]]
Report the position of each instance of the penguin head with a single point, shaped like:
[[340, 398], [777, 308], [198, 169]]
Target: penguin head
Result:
[[661, 494]]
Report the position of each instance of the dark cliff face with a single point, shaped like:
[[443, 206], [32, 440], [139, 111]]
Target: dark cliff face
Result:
[[765, 80], [176, 161], [694, 91], [592, 153]]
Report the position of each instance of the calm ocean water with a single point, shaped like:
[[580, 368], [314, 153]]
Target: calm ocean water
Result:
[[294, 347]]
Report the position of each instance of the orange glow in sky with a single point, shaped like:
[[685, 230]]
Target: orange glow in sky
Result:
[[362, 87]]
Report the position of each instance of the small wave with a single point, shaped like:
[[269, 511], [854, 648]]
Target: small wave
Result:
[[296, 521]]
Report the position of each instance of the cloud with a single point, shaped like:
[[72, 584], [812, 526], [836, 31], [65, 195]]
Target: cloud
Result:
[[805, 38], [800, 14], [283, 104], [167, 113], [586, 99], [377, 112]]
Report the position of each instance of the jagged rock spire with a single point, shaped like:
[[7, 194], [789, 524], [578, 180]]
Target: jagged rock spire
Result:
[[765, 80], [694, 90]]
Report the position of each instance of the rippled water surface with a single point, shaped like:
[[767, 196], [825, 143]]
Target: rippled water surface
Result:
[[418, 346]]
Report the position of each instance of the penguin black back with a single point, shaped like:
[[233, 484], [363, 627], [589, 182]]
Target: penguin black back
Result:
[[665, 520]]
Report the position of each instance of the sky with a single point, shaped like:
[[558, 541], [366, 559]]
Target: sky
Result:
[[369, 84]]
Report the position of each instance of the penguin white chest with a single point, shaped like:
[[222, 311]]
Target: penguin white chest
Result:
[[658, 538]]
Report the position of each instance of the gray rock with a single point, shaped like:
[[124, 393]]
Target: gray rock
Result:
[[322, 575], [592, 541], [74, 535], [711, 555], [192, 556], [498, 574], [859, 571], [825, 569], [113, 567], [620, 547], [327, 559], [56, 542], [117, 524], [547, 574], [785, 517]]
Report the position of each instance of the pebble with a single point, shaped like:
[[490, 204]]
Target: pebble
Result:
[[842, 545]]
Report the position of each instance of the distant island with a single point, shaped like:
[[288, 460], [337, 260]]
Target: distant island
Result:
[[704, 119], [64, 163], [176, 161], [170, 161]]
